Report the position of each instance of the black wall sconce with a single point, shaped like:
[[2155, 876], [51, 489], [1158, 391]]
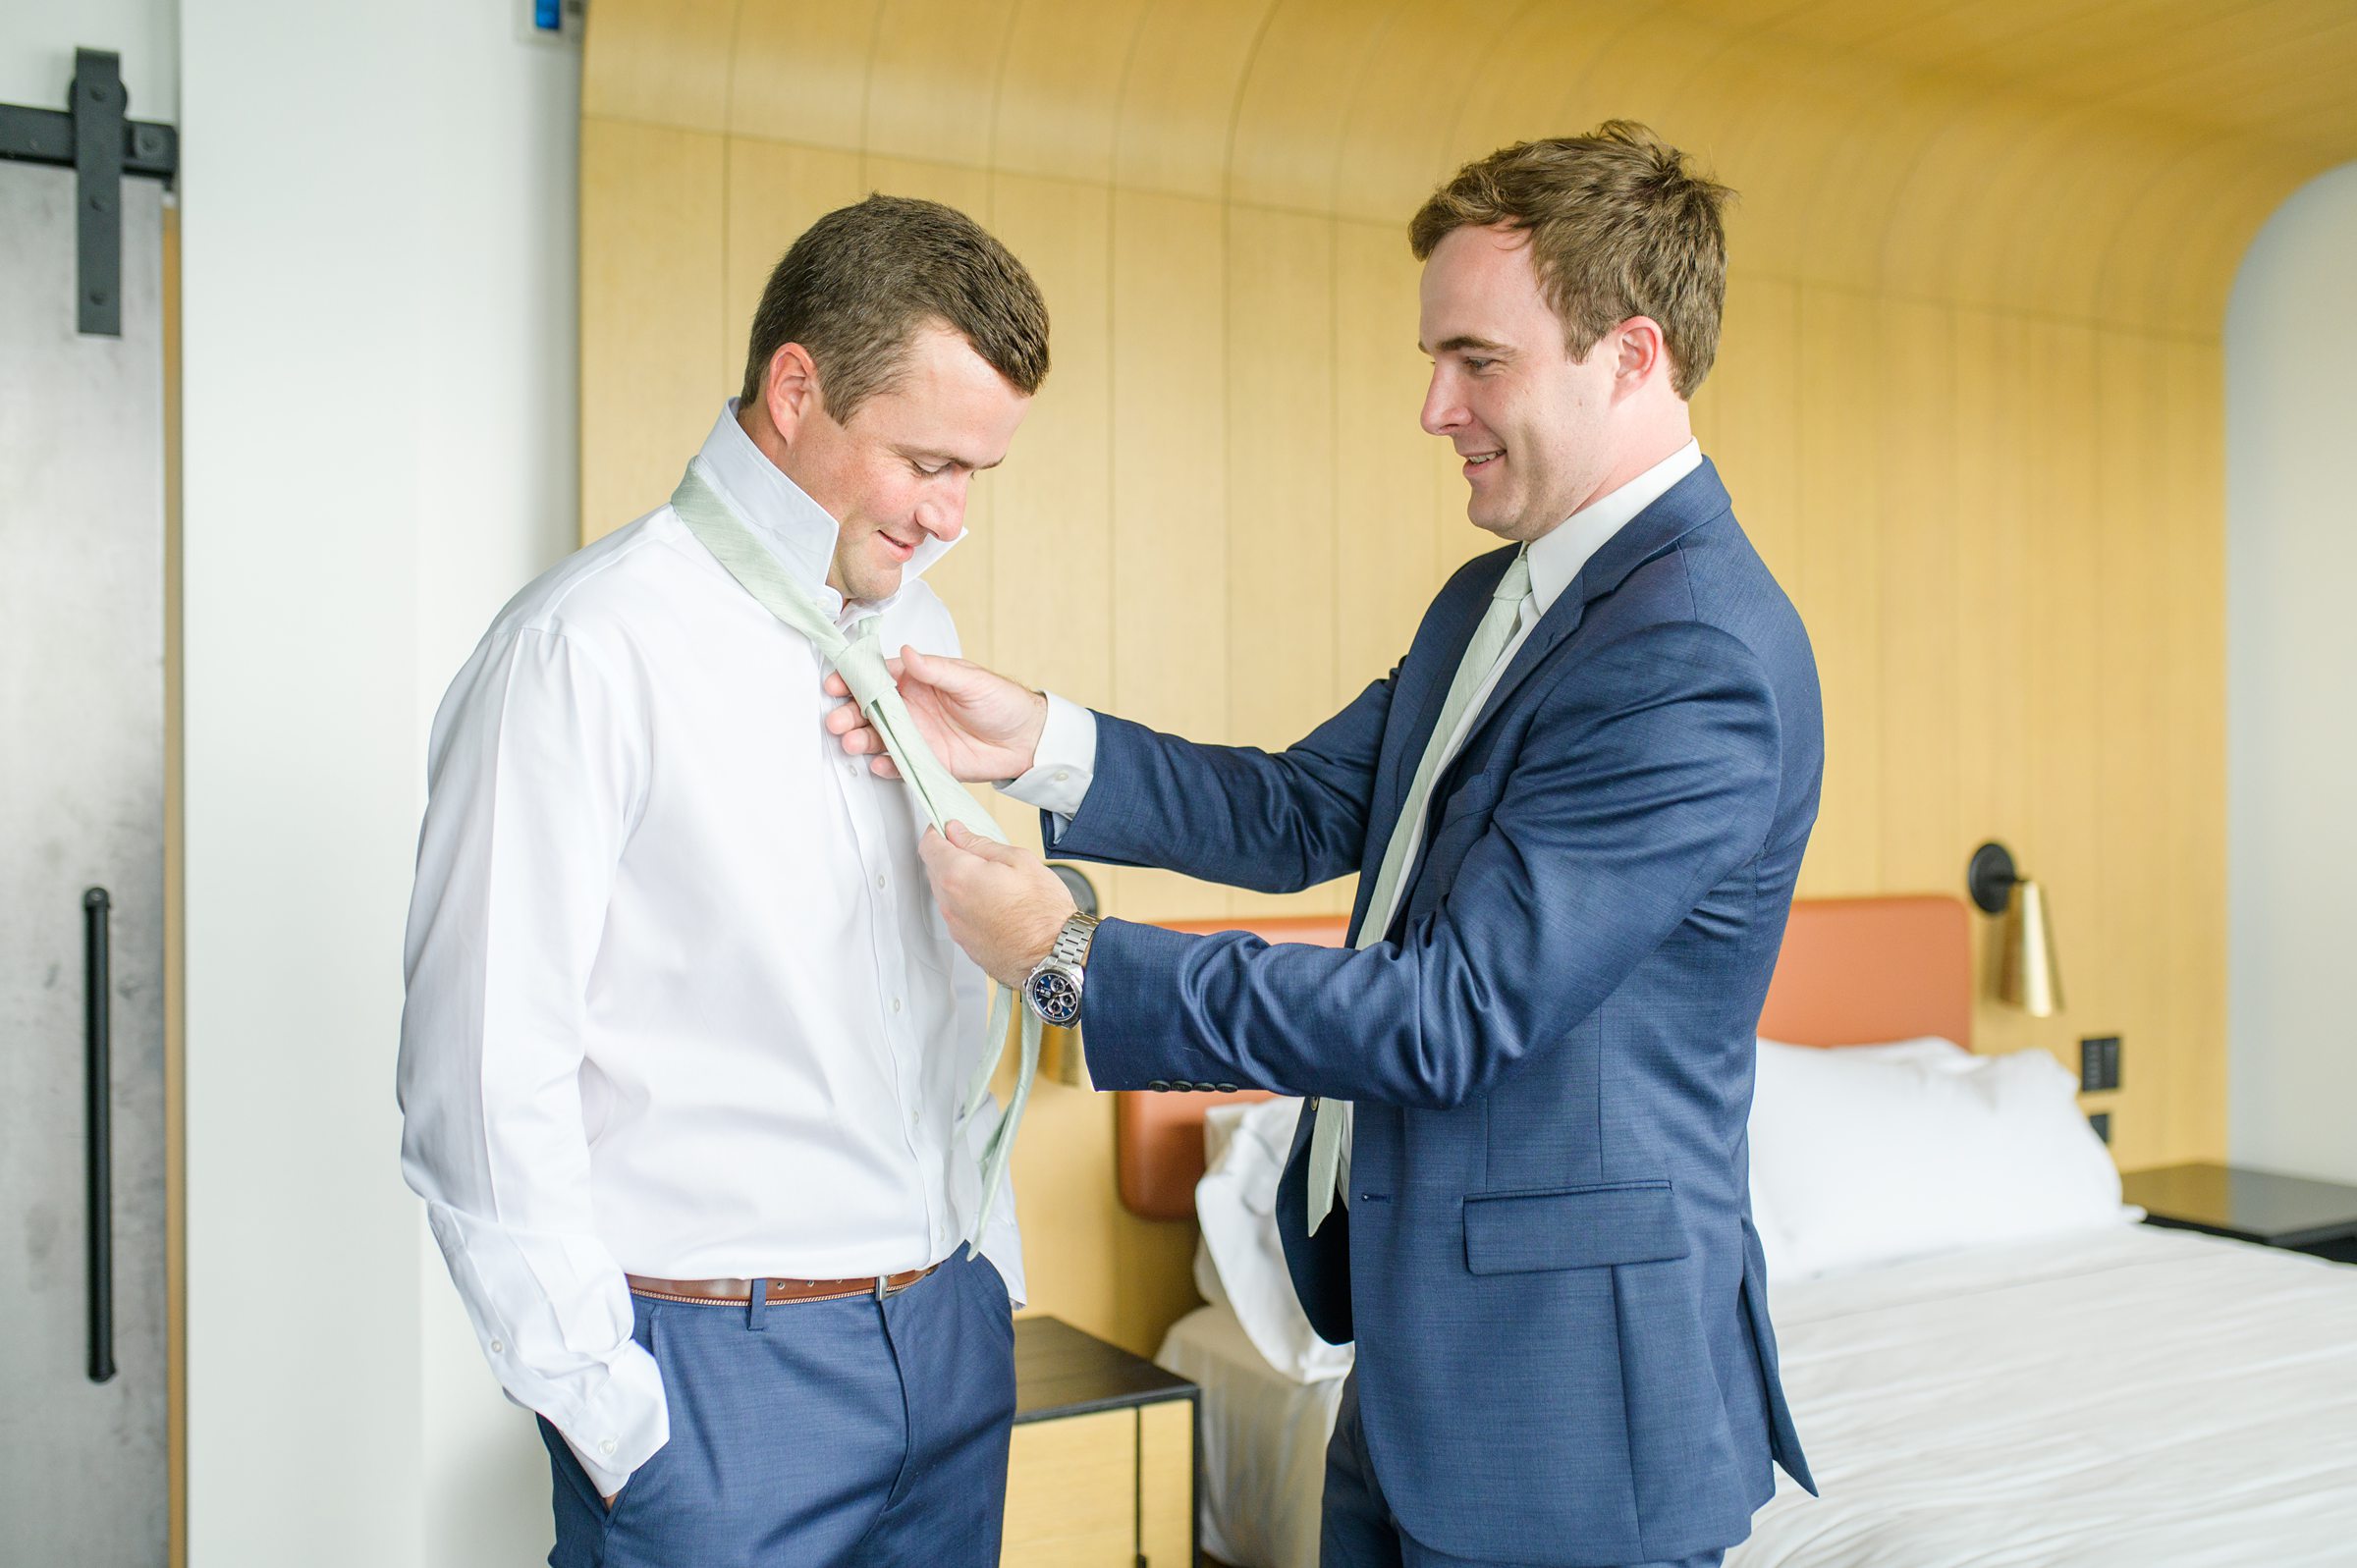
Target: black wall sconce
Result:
[[2028, 976]]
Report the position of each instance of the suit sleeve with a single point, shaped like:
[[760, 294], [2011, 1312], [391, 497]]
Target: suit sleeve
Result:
[[1271, 821], [1649, 776]]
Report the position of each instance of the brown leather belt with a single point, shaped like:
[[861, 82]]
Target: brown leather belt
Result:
[[739, 1292]]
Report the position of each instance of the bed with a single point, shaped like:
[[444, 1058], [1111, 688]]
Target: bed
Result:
[[2098, 1392]]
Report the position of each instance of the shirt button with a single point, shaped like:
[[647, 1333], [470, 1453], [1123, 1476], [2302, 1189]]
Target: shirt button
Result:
[[606, 1446], [499, 1347], [1063, 777], [851, 768], [880, 879], [896, 1004]]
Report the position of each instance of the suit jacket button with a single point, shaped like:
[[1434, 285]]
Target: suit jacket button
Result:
[[1158, 1086], [1227, 1088]]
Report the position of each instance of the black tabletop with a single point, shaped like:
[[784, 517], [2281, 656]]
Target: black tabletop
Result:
[[2255, 1205], [1059, 1371]]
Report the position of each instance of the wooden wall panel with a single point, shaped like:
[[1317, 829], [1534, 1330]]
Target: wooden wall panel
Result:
[[801, 70], [1394, 538], [663, 65], [1171, 635], [1916, 527], [655, 359], [1838, 582], [1061, 77], [2185, 974], [1282, 545], [775, 190], [1968, 401]]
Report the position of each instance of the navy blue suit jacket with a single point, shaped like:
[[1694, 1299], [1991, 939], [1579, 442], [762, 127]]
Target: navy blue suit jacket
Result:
[[1548, 1260]]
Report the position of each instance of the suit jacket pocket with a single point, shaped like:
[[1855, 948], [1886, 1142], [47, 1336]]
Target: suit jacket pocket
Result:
[[1574, 1227]]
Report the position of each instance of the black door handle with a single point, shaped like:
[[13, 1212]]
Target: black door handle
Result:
[[97, 1017]]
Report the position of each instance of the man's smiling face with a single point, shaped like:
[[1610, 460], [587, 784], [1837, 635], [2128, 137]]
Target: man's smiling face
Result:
[[898, 469], [1527, 419]]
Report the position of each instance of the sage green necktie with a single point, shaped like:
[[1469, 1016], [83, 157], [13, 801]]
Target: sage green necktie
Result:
[[716, 526], [1490, 638]]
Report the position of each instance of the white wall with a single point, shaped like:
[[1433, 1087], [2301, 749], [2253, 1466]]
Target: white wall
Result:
[[38, 38], [2291, 686], [378, 276]]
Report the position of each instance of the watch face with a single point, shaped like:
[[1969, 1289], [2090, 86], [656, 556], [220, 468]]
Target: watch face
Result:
[[1055, 998]]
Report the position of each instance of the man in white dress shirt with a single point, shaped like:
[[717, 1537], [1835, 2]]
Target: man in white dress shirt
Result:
[[682, 1053]]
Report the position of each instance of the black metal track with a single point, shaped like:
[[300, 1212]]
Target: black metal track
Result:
[[91, 136], [150, 151]]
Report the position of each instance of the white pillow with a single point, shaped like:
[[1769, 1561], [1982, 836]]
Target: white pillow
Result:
[[1868, 1153], [1240, 1260]]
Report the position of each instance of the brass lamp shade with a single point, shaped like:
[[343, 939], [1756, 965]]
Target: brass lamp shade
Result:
[[2028, 976]]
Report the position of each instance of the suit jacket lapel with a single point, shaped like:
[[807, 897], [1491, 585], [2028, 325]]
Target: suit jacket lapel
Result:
[[1685, 506], [1403, 745]]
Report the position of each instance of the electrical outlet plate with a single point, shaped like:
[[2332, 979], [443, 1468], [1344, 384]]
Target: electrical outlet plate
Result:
[[2099, 1063]]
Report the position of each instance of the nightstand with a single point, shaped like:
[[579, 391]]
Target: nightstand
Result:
[[1106, 1455], [2291, 1212]]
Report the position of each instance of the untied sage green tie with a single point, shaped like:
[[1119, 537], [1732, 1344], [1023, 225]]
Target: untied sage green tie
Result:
[[860, 662], [1490, 638]]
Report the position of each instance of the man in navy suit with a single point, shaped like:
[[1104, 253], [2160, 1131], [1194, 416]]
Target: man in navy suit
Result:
[[1577, 809]]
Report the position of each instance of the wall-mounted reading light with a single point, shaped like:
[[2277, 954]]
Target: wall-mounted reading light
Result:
[[2027, 975]]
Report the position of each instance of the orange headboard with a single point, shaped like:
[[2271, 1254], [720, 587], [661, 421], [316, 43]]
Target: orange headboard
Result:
[[1854, 971]]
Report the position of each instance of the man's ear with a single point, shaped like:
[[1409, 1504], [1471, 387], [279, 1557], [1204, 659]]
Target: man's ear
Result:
[[1641, 352], [791, 390]]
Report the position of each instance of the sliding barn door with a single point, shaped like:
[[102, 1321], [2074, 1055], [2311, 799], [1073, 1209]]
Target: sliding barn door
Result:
[[82, 1456]]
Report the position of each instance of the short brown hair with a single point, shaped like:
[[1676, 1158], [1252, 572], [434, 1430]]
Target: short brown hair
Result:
[[860, 282], [1619, 226]]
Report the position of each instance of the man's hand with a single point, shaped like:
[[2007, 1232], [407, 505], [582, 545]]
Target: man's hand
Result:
[[1003, 904], [982, 725]]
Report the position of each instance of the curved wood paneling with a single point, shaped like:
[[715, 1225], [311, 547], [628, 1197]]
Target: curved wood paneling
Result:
[[1968, 398]]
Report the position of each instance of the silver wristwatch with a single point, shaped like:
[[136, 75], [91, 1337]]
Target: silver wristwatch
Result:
[[1053, 990]]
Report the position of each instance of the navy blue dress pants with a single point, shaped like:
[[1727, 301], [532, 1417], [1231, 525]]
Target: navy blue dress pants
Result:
[[811, 1434], [1359, 1529]]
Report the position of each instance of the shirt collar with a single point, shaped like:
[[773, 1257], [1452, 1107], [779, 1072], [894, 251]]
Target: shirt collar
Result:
[[796, 529], [1557, 555]]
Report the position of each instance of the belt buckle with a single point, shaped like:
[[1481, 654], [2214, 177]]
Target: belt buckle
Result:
[[884, 1287]]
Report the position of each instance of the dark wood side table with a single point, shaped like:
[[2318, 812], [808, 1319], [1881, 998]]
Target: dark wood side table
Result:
[[2291, 1211], [1107, 1455]]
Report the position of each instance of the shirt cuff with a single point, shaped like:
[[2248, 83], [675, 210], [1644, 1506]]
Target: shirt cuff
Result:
[[607, 1482], [1062, 765], [625, 1424]]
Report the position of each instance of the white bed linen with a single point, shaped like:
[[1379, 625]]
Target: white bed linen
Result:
[[1874, 1154], [1264, 1442], [2125, 1396], [1239, 1261], [2131, 1396]]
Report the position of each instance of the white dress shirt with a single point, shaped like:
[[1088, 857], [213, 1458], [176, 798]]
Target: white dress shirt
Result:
[[680, 1001], [1064, 763]]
